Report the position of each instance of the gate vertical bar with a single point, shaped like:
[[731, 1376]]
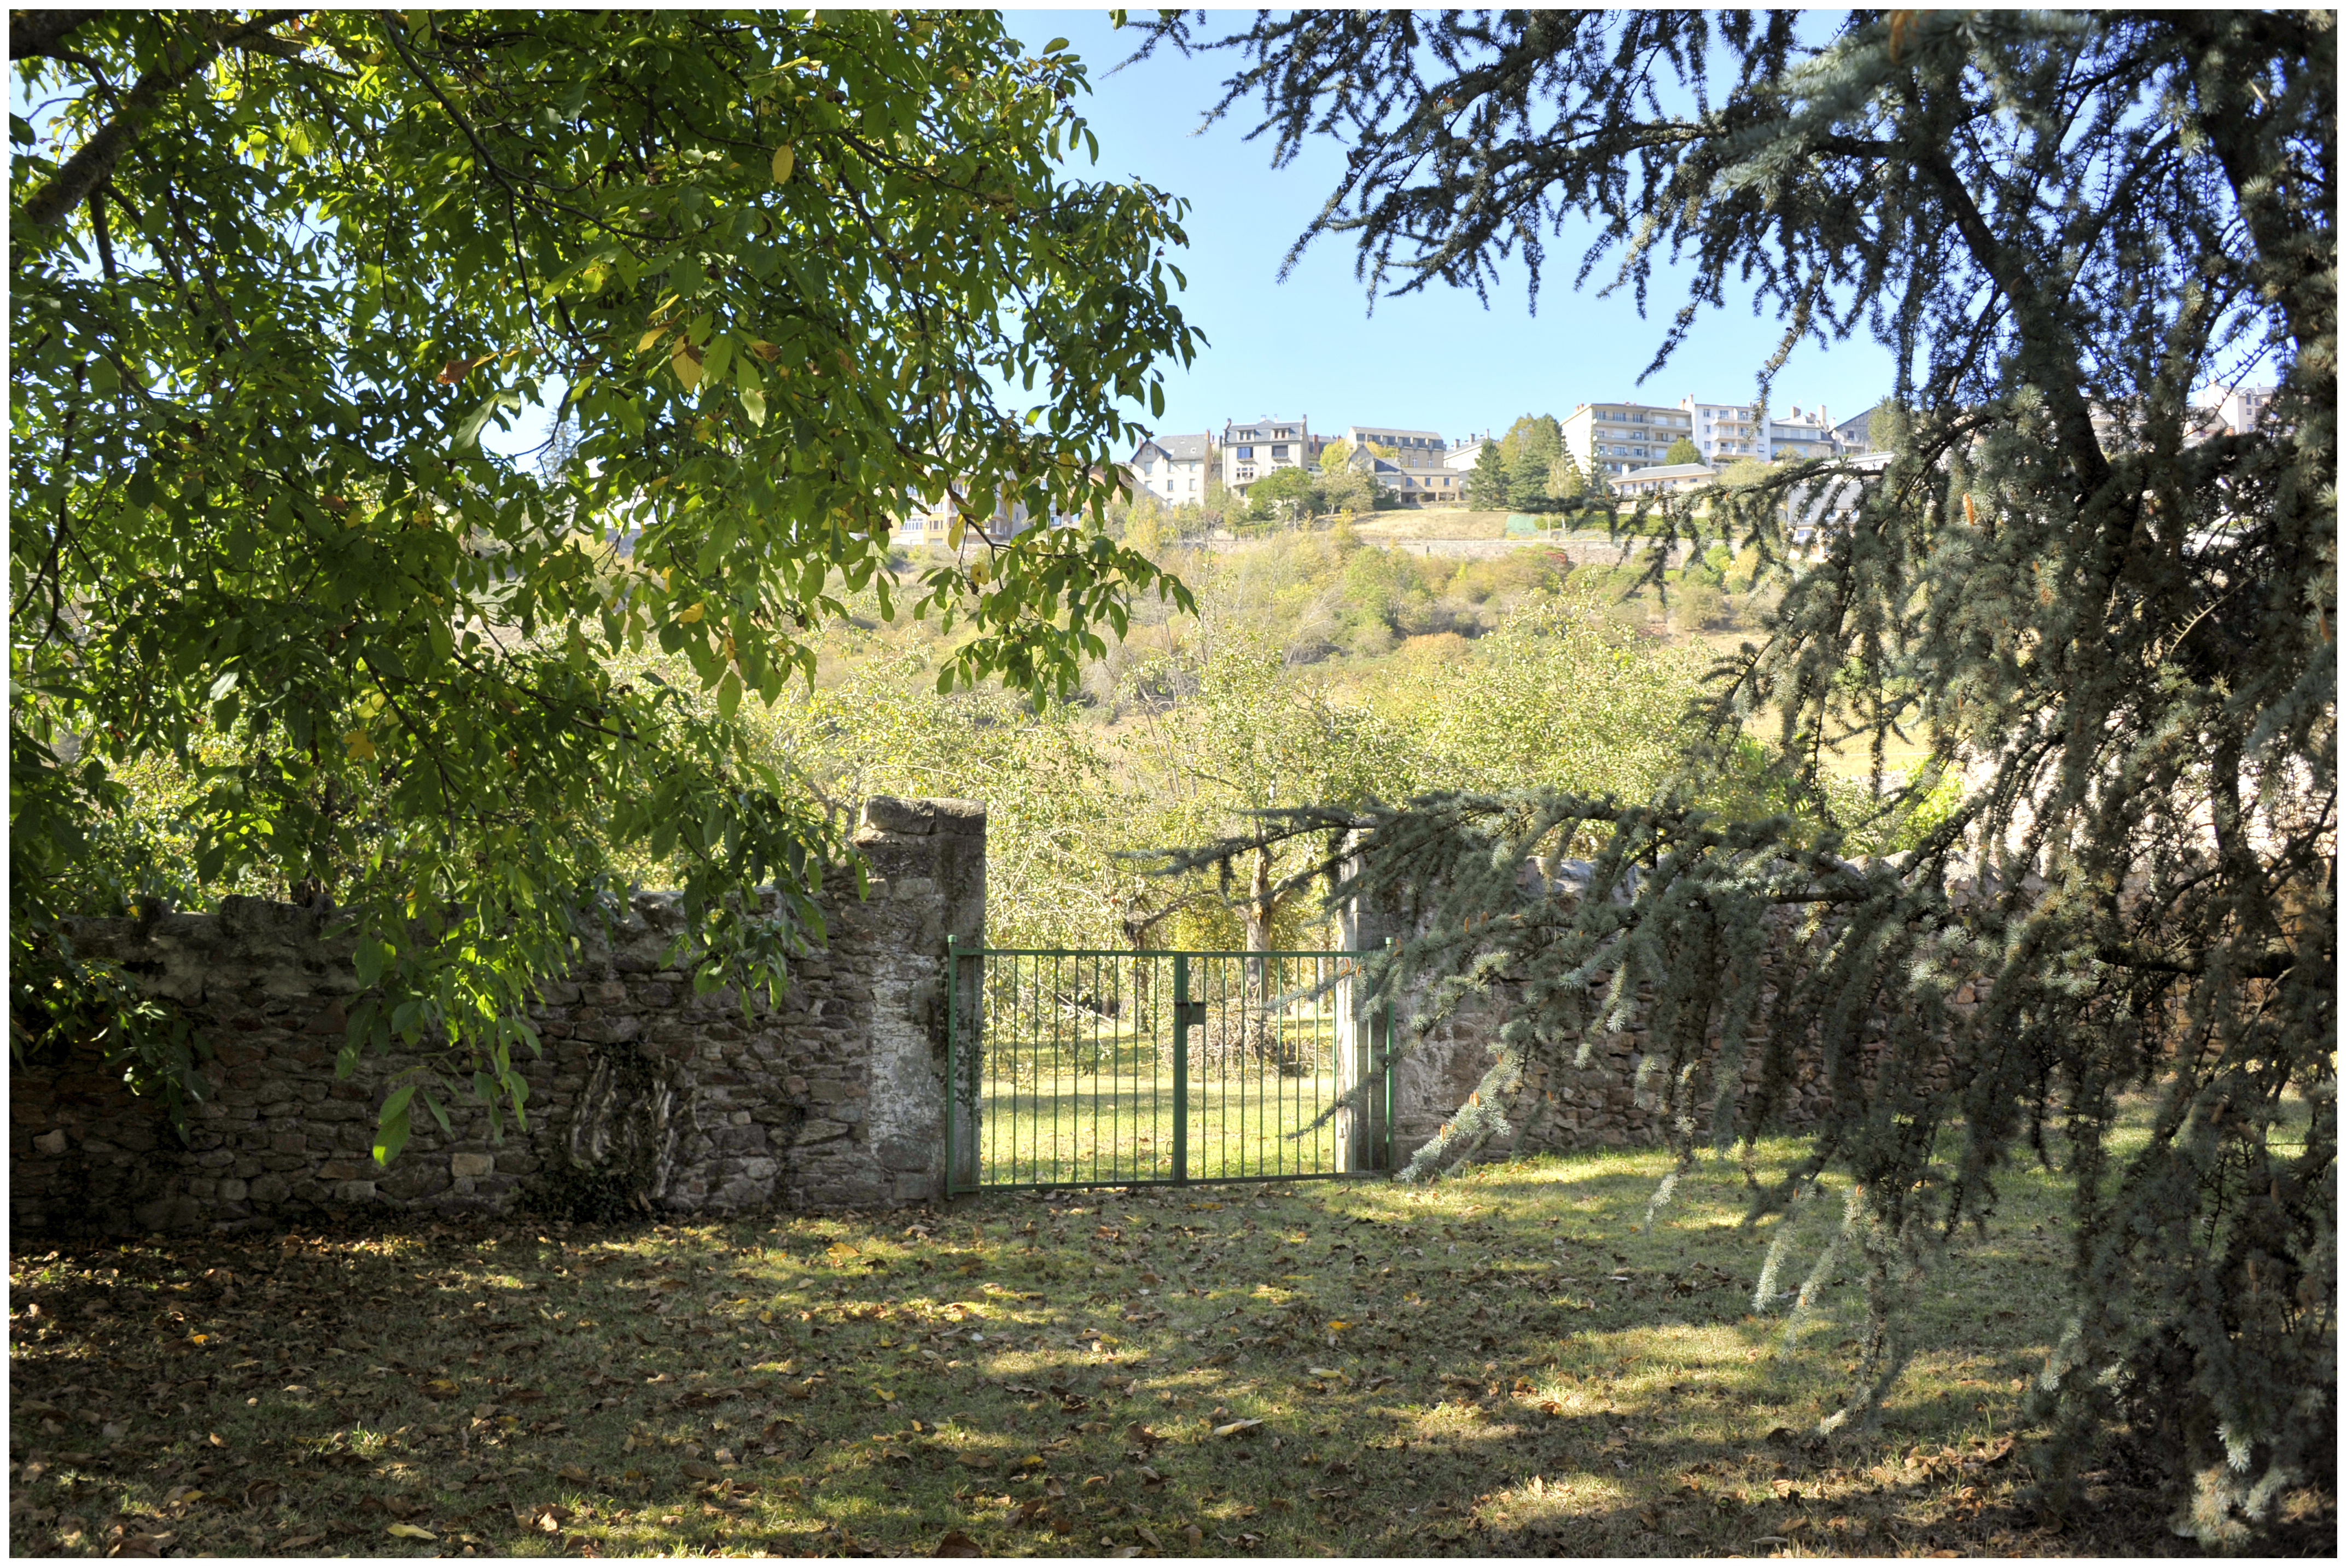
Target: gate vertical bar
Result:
[[1181, 1069], [1388, 1086], [953, 1083]]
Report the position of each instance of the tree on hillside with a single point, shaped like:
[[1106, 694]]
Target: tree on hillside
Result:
[[1566, 483], [273, 276], [1347, 488], [1527, 452], [1252, 737], [1683, 451], [2118, 637], [1882, 426], [1289, 495], [1487, 482]]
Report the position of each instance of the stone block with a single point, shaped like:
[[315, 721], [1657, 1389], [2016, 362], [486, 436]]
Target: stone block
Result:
[[52, 1142], [175, 1212], [887, 814], [233, 1191], [462, 1166], [355, 1192]]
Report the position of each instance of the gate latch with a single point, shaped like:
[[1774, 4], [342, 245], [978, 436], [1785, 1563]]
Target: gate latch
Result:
[[1190, 1013]]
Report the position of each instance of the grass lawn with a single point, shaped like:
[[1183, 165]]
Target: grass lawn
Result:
[[1497, 1364]]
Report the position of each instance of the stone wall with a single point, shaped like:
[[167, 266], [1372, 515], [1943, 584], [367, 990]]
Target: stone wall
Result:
[[1565, 1107], [646, 1098]]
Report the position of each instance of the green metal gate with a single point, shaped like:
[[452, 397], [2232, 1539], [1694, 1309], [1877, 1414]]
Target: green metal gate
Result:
[[1077, 1069]]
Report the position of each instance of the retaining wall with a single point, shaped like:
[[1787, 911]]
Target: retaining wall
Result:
[[646, 1098]]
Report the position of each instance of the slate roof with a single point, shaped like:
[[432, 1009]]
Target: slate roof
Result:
[[1181, 448]]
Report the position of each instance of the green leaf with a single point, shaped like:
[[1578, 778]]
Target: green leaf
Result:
[[467, 434], [391, 1127], [729, 693], [370, 957]]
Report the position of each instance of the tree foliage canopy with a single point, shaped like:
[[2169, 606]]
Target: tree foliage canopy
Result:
[[2115, 631], [272, 276]]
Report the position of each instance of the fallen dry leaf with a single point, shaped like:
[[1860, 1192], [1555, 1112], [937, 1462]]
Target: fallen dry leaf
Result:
[[409, 1531], [1233, 1428], [954, 1544]]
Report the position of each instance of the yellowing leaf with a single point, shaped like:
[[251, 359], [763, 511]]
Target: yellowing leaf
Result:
[[361, 748], [785, 157], [686, 363], [689, 615], [651, 338], [409, 1531], [1233, 1428]]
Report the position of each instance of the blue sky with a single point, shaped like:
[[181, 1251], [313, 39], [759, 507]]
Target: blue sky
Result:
[[1435, 361]]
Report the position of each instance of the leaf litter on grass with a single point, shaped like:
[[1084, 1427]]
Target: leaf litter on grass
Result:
[[1497, 1364]]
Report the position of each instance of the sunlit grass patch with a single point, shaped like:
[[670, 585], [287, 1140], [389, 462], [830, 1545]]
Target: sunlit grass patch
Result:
[[1502, 1363]]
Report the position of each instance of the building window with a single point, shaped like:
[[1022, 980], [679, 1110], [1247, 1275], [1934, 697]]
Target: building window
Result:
[[1245, 454], [1278, 453]]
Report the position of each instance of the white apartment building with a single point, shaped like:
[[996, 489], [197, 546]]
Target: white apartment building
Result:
[[1613, 438], [1464, 453], [1174, 467], [1727, 432], [1253, 449], [1798, 435], [2238, 407]]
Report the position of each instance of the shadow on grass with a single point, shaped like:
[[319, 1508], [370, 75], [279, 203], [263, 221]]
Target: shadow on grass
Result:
[[1501, 1364]]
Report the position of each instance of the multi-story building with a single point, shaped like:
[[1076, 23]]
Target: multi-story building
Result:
[[1412, 448], [1613, 438], [2237, 407], [931, 525], [1173, 468], [1257, 447], [1816, 513], [1795, 435], [1854, 434], [1727, 432], [1419, 472], [1411, 486], [1464, 453]]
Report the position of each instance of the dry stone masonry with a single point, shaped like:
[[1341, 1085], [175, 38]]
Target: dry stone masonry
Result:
[[1565, 1107], [647, 1098]]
